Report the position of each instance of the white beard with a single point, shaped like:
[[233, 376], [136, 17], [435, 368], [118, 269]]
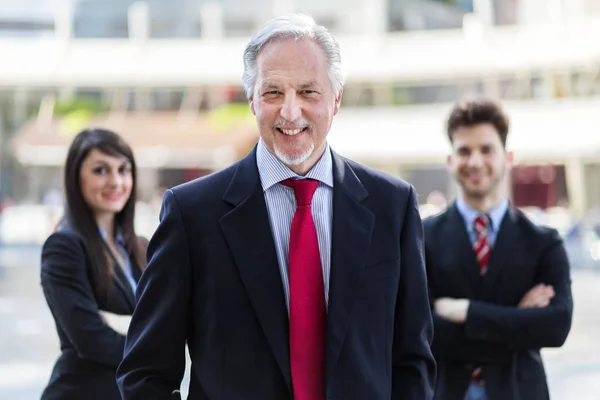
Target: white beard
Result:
[[294, 161]]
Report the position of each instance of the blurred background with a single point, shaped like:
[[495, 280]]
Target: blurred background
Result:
[[166, 74]]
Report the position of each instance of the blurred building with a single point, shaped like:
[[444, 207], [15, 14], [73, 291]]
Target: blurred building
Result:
[[110, 18], [28, 18], [179, 61], [240, 18]]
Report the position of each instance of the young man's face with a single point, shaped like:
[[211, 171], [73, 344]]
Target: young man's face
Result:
[[479, 161]]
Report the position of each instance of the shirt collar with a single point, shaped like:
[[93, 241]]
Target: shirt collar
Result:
[[120, 238], [469, 214], [272, 171]]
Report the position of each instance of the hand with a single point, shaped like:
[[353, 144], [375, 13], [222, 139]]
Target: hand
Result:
[[119, 323], [538, 296], [454, 310]]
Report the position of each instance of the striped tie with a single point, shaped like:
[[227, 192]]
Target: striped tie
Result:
[[482, 246], [482, 251]]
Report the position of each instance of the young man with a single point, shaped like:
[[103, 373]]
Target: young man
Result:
[[295, 273], [499, 285]]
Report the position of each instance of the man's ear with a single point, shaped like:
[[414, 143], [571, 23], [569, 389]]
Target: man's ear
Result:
[[338, 101], [251, 102]]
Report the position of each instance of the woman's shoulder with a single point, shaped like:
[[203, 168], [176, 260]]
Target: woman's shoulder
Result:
[[64, 235], [64, 244]]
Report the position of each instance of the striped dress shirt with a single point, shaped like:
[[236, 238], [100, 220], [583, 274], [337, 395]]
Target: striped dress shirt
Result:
[[281, 206]]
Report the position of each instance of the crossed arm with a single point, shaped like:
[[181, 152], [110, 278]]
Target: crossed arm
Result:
[[477, 331]]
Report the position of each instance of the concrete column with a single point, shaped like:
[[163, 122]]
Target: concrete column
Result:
[[147, 181], [139, 21], [382, 94], [592, 172], [211, 21], [3, 184], [34, 184], [216, 97], [576, 186], [66, 93], [374, 17], [19, 109], [63, 22], [142, 99], [46, 112], [484, 9], [491, 87]]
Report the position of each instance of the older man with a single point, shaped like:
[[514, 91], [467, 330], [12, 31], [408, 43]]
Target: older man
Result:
[[295, 273]]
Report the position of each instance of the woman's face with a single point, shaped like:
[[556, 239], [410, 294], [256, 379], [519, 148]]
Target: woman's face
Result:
[[106, 182]]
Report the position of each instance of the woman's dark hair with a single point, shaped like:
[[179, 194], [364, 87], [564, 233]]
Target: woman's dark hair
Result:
[[80, 217]]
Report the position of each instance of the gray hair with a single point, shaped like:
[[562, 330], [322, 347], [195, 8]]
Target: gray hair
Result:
[[296, 27]]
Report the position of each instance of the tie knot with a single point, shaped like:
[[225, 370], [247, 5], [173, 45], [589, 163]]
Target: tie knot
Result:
[[481, 224], [304, 189]]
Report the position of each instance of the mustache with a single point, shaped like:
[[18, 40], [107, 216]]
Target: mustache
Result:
[[299, 123]]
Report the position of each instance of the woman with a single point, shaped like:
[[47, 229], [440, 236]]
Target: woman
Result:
[[92, 263]]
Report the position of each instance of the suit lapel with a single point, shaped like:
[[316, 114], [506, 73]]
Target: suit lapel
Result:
[[122, 283], [248, 234], [137, 272], [501, 250], [352, 227], [119, 280]]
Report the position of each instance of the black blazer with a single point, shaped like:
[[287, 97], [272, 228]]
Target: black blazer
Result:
[[90, 349], [213, 280], [505, 339]]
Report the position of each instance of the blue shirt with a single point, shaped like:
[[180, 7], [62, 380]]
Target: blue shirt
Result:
[[127, 262], [495, 216]]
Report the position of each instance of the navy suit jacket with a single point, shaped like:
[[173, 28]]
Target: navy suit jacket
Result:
[[90, 349], [502, 338], [213, 280]]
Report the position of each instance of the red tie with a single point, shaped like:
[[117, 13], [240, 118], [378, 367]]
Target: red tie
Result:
[[482, 246], [482, 251], [307, 298]]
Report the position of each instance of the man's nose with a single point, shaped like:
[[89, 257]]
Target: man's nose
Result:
[[291, 111], [476, 159]]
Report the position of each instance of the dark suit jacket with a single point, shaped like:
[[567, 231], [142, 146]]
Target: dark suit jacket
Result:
[[90, 349], [505, 339], [213, 279]]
